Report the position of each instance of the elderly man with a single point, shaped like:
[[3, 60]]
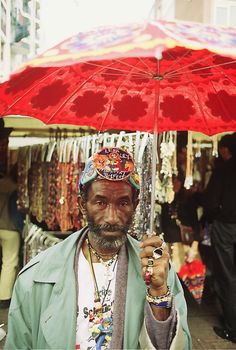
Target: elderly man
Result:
[[100, 288]]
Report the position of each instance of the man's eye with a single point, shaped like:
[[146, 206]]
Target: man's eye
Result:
[[124, 203], [101, 203]]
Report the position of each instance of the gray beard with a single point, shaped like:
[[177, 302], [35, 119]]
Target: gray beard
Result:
[[107, 244]]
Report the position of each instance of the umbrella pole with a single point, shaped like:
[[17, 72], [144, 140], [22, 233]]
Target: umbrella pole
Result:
[[154, 155], [153, 185]]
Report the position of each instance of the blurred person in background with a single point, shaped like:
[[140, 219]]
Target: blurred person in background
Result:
[[180, 224], [9, 236], [220, 209]]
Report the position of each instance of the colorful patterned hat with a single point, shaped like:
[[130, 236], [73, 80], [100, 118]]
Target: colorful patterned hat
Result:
[[111, 163]]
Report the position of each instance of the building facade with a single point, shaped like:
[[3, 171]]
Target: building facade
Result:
[[5, 34], [217, 12], [19, 33]]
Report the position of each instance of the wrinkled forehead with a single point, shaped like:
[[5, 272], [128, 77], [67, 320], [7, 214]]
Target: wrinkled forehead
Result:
[[105, 188], [110, 192]]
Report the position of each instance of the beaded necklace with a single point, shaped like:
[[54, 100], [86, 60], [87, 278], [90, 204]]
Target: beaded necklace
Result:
[[98, 304], [109, 273]]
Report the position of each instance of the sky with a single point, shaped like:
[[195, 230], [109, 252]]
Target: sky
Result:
[[63, 18]]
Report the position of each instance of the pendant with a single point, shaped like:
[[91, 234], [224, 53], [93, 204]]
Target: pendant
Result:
[[98, 305], [109, 274]]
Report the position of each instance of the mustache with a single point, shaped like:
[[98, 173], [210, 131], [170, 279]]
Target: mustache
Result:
[[108, 227]]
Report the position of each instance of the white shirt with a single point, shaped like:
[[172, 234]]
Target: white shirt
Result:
[[93, 330]]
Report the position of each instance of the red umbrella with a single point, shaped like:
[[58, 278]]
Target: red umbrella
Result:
[[155, 76], [111, 78]]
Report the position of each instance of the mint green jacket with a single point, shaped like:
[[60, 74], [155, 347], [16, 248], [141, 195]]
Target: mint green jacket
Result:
[[42, 314]]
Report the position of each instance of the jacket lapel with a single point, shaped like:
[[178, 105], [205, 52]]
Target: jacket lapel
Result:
[[120, 300], [134, 312], [58, 321]]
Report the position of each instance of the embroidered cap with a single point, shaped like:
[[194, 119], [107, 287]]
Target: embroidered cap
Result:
[[113, 164]]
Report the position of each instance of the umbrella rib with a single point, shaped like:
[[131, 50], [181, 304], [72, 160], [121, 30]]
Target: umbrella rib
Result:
[[198, 61], [178, 60], [35, 85], [146, 65], [189, 65], [124, 74], [134, 67], [230, 79], [219, 100], [117, 69], [105, 117], [74, 92], [200, 106], [122, 62], [199, 69]]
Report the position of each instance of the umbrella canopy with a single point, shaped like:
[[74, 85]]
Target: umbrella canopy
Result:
[[158, 76], [152, 77]]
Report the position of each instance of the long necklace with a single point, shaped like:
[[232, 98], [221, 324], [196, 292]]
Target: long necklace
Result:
[[98, 304], [109, 274]]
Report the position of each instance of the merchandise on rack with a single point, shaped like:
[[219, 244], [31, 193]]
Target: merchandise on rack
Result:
[[49, 176]]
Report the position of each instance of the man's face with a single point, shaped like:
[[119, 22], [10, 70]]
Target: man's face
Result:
[[224, 152], [109, 208]]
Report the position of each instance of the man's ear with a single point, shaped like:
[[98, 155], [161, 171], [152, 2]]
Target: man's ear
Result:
[[82, 205]]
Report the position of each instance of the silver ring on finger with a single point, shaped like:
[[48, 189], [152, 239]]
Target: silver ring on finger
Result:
[[150, 262], [157, 253], [163, 245]]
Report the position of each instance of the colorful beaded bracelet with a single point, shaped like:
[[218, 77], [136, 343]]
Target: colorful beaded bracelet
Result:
[[162, 301]]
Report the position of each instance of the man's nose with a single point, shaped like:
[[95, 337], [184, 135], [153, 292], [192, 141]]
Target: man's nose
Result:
[[111, 214]]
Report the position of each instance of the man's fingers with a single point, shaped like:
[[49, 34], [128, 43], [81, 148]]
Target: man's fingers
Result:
[[154, 241], [147, 251], [156, 262]]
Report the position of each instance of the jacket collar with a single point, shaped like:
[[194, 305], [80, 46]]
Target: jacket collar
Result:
[[53, 264]]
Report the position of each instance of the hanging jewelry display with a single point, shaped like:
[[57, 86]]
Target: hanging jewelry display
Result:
[[198, 150], [36, 183], [76, 170], [23, 161], [164, 184], [44, 182], [52, 191], [174, 157], [214, 146], [189, 166], [63, 184]]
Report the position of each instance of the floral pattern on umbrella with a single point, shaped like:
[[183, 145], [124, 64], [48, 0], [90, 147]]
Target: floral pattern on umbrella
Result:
[[121, 84]]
